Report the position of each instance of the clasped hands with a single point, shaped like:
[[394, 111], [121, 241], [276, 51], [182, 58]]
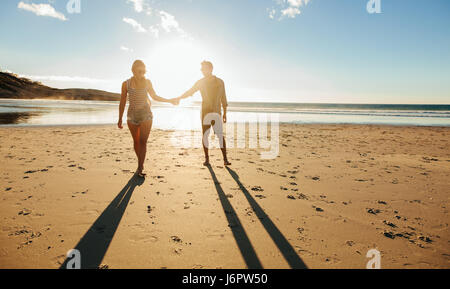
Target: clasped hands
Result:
[[175, 101]]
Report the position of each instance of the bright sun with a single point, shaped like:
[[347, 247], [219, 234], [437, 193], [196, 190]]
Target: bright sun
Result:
[[174, 66]]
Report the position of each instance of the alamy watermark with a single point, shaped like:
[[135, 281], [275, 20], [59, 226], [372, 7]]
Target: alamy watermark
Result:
[[374, 6], [73, 6], [73, 259], [260, 131], [375, 259]]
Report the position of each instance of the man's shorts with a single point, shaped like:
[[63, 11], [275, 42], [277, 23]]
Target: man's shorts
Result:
[[215, 121]]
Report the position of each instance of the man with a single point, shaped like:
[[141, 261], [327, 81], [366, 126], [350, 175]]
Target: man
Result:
[[214, 99]]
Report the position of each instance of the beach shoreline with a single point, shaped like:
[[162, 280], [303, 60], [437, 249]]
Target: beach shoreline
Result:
[[25, 112], [114, 125], [334, 192]]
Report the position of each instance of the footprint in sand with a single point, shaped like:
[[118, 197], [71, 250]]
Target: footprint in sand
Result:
[[302, 196], [176, 239], [373, 211], [350, 243], [144, 238], [318, 209], [24, 212], [332, 260], [392, 225], [257, 189]]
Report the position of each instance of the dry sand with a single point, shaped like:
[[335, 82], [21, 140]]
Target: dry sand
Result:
[[335, 192]]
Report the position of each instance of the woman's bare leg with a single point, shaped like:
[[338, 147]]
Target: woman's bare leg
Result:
[[145, 129], [135, 133]]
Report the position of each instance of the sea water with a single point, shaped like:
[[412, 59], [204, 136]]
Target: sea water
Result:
[[68, 112]]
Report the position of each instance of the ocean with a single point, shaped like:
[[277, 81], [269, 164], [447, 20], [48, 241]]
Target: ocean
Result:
[[62, 112]]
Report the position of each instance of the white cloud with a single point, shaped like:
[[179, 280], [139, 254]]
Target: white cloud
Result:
[[138, 27], [288, 8], [154, 31], [140, 6], [168, 22], [290, 12], [296, 3], [42, 10], [126, 49], [272, 13]]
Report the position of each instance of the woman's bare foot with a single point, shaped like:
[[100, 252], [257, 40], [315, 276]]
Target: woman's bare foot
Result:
[[141, 173]]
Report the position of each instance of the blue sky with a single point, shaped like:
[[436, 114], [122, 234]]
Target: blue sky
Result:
[[265, 50]]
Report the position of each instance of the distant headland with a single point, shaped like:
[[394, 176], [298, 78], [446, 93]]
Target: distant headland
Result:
[[14, 87]]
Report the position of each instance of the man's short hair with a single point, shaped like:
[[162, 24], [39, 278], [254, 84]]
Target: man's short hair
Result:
[[207, 64]]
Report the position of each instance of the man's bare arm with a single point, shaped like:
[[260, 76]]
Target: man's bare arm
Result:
[[224, 102], [190, 92]]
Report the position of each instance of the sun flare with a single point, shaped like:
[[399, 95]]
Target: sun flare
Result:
[[174, 66]]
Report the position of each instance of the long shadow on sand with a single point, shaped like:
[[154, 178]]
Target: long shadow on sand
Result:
[[242, 240], [95, 242], [280, 241]]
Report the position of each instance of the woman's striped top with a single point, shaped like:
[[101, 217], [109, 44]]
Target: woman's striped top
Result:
[[137, 98]]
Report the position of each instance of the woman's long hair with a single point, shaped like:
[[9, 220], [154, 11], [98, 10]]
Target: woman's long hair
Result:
[[136, 64]]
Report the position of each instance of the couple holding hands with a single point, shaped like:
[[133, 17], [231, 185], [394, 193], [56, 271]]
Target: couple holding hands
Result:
[[140, 116]]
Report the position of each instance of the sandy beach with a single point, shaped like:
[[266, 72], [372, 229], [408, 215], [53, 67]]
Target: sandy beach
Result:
[[334, 193]]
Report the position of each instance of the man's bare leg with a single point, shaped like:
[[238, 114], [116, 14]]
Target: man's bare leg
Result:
[[224, 153], [205, 149]]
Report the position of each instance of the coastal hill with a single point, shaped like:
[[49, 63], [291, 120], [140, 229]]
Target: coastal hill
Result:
[[12, 86]]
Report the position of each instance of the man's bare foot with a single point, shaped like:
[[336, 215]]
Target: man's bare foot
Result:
[[226, 163], [206, 163]]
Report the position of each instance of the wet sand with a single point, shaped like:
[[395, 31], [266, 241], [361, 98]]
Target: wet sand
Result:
[[334, 192]]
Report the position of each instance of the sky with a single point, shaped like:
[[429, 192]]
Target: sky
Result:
[[265, 50]]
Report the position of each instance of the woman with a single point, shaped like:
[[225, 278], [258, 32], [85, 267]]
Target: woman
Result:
[[139, 115]]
